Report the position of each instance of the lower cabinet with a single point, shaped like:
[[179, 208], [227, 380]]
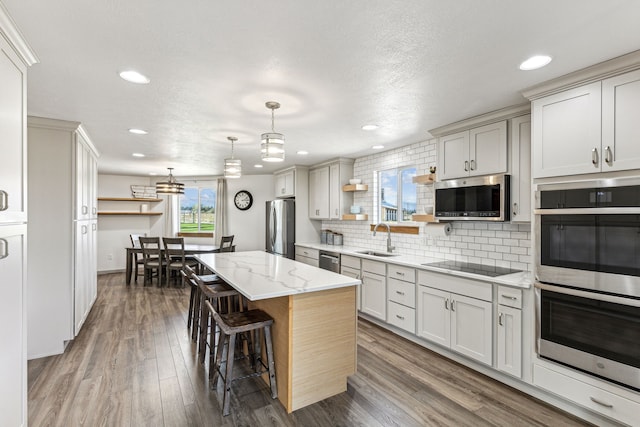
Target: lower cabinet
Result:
[[459, 322], [308, 256], [509, 331], [85, 289], [374, 289], [350, 266]]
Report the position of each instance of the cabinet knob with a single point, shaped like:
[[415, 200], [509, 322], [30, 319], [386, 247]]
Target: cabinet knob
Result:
[[4, 200]]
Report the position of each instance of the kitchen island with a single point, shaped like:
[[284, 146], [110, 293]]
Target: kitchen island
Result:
[[314, 312]]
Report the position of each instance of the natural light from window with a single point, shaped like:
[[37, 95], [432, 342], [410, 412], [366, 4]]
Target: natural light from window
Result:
[[197, 210], [397, 190]]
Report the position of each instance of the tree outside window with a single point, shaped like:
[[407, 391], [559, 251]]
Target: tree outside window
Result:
[[197, 210], [398, 194]]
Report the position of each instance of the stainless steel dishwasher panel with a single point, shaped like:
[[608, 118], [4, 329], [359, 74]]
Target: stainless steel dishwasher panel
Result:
[[330, 261]]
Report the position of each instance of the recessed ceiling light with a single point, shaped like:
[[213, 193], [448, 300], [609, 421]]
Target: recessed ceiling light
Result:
[[535, 62], [138, 155], [257, 166], [138, 131], [378, 147], [302, 153], [370, 127], [134, 77]]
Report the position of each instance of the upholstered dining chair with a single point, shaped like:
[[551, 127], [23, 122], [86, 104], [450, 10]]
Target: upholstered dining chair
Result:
[[174, 257], [152, 258], [226, 244], [138, 261]]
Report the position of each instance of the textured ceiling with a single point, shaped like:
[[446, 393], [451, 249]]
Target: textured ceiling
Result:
[[407, 66]]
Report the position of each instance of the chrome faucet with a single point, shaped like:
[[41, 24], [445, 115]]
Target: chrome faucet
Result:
[[389, 247]]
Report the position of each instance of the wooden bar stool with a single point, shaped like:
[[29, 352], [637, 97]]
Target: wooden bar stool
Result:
[[193, 319], [231, 325]]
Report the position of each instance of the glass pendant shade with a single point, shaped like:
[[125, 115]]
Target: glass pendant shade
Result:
[[272, 147], [232, 168], [170, 186]]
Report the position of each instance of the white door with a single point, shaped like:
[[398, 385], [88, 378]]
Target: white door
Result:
[[453, 155], [509, 357], [620, 123], [471, 327], [13, 357], [521, 169], [434, 319], [488, 149], [13, 155], [566, 132], [81, 291], [374, 295]]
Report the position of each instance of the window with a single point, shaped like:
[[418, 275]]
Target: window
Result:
[[198, 210], [397, 190]]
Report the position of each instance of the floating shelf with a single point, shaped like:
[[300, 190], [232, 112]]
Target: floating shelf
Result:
[[424, 179], [355, 187], [356, 217], [126, 199], [423, 218], [131, 213]]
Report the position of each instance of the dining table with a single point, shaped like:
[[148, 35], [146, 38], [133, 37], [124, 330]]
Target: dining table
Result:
[[189, 249]]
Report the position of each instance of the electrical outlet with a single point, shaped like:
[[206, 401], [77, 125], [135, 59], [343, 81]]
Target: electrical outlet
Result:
[[109, 257]]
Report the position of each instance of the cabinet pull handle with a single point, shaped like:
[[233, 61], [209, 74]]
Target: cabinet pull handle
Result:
[[4, 200], [594, 157], [600, 402], [399, 292], [4, 249], [453, 306], [84, 229], [85, 210], [400, 317], [500, 319], [466, 166], [608, 155], [473, 165], [509, 297], [399, 273], [446, 304], [94, 227], [515, 209]]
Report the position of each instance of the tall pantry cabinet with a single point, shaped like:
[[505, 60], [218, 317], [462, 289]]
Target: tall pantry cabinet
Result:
[[63, 222], [15, 57]]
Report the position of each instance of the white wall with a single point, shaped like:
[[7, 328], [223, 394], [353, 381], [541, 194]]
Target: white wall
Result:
[[248, 226], [500, 244]]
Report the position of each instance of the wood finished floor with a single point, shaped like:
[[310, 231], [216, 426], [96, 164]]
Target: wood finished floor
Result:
[[133, 364]]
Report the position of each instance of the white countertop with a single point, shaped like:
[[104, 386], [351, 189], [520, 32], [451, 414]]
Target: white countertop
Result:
[[521, 279], [260, 275]]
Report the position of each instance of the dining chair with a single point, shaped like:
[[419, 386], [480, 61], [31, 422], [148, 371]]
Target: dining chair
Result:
[[152, 258], [138, 261], [226, 244], [175, 258]]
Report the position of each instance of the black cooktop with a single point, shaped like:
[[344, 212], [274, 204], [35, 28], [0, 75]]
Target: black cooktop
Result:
[[469, 267]]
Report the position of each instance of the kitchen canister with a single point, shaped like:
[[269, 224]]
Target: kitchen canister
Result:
[[323, 236], [330, 238], [337, 239]]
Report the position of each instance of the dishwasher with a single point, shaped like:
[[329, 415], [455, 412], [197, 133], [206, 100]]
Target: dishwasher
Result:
[[330, 261]]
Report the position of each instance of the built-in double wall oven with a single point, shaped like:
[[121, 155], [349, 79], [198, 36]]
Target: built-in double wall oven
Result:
[[588, 277]]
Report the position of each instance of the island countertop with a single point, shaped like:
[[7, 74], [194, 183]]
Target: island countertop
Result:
[[260, 275]]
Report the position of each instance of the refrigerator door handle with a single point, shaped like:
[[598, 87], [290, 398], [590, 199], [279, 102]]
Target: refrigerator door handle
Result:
[[274, 226]]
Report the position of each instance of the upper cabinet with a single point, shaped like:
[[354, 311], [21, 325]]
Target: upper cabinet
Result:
[[587, 121], [285, 183], [474, 152], [326, 198], [521, 168], [86, 162]]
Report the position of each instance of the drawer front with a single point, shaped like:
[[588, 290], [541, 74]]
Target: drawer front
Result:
[[510, 297], [307, 252], [350, 261], [402, 317], [401, 273], [458, 285], [374, 267], [587, 395], [401, 292]]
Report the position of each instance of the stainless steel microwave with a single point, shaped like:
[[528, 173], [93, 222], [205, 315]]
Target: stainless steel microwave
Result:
[[482, 198]]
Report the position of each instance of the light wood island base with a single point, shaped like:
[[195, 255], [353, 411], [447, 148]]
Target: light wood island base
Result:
[[314, 341]]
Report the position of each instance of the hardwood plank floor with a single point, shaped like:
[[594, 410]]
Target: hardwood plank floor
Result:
[[133, 364]]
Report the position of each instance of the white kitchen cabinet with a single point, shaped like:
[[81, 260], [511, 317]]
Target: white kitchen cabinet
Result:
[[620, 124], [401, 297], [319, 193], [521, 169], [456, 313], [350, 266], [509, 331], [308, 256], [62, 271], [13, 318], [479, 151], [285, 183], [374, 289]]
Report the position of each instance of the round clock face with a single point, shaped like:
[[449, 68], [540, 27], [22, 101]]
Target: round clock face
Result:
[[243, 200]]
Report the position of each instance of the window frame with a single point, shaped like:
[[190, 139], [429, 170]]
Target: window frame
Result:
[[198, 232], [399, 170]]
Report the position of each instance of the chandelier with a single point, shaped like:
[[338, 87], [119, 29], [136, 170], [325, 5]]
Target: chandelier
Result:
[[232, 167], [272, 146], [170, 186]]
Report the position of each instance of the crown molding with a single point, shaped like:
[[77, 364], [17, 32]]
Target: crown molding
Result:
[[483, 119], [9, 30]]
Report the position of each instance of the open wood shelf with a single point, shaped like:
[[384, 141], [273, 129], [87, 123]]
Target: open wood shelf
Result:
[[403, 229], [424, 179], [126, 199], [356, 217], [355, 187], [423, 218], [131, 213]]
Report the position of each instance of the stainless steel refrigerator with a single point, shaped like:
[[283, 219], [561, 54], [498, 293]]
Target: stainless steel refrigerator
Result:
[[280, 226]]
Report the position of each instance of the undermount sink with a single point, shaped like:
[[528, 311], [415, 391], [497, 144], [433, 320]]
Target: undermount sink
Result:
[[375, 253]]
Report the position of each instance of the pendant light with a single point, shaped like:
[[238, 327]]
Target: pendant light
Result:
[[170, 186], [232, 167], [272, 146]]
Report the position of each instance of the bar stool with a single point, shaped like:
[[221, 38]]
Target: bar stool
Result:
[[193, 319], [231, 325]]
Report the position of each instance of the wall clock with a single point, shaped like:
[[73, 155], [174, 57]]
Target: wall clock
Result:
[[243, 200]]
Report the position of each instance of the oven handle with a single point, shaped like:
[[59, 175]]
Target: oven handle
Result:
[[587, 211], [590, 295]]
